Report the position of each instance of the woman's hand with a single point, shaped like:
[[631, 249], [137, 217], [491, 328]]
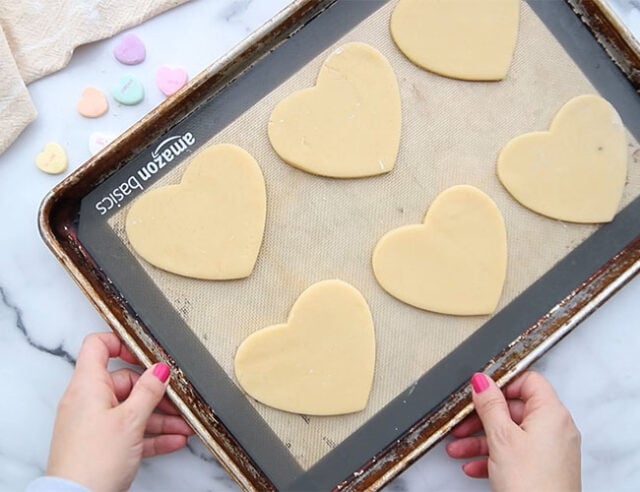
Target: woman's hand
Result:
[[106, 422], [530, 442]]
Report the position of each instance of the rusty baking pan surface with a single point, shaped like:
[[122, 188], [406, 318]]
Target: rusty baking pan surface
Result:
[[81, 222]]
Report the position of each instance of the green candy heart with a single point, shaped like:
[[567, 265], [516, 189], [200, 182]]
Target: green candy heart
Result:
[[129, 91]]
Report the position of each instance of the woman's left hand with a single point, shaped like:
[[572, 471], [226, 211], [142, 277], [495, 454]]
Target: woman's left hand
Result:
[[108, 421]]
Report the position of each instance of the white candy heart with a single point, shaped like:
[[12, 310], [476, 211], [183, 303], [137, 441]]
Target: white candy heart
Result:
[[99, 140]]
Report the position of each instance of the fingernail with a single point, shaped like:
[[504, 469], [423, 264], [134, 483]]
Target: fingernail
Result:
[[479, 382], [162, 371]]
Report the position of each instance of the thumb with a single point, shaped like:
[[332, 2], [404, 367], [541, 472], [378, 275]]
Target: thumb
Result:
[[147, 393], [491, 407]]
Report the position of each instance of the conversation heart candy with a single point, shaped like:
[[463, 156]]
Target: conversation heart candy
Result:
[[171, 79], [92, 103], [130, 50], [99, 140], [53, 159], [129, 91]]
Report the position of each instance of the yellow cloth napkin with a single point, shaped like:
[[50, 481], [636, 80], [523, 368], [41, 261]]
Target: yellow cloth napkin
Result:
[[37, 37]]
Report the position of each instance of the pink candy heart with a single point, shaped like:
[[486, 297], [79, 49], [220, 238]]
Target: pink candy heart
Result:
[[171, 80], [130, 50]]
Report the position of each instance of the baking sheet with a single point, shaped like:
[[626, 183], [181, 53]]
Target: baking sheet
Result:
[[320, 228]]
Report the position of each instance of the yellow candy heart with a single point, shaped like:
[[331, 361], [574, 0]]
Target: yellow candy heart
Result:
[[53, 159]]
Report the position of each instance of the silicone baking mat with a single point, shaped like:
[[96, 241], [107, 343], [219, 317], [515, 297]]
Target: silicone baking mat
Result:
[[319, 228]]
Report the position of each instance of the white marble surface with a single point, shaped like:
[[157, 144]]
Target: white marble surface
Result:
[[43, 315], [629, 12]]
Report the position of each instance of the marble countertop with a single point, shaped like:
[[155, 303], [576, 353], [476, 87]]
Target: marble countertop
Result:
[[44, 316]]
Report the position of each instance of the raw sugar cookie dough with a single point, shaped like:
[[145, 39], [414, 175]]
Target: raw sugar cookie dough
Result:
[[348, 125], [461, 39], [321, 362], [455, 262], [576, 171], [210, 226]]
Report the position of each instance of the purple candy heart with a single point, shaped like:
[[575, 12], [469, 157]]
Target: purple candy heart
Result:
[[130, 50]]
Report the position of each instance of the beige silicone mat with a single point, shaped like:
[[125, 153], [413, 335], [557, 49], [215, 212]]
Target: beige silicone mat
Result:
[[319, 228]]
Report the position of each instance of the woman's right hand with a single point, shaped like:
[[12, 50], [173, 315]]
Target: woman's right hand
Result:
[[530, 441]]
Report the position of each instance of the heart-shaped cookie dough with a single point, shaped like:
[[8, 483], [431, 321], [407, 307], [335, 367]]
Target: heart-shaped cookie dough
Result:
[[348, 125], [210, 226], [453, 263], [462, 39], [321, 362], [577, 170]]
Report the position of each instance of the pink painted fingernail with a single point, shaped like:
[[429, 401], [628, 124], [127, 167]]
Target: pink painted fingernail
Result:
[[162, 371], [479, 382]]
